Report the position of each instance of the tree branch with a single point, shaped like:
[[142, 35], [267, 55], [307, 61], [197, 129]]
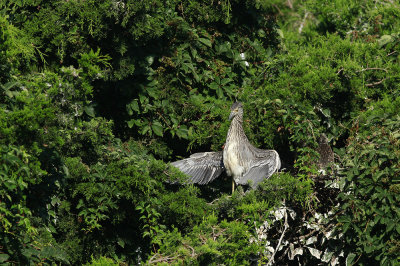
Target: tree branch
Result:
[[372, 68], [375, 83], [286, 226]]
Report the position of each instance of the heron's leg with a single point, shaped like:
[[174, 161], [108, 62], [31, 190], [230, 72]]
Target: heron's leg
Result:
[[233, 185]]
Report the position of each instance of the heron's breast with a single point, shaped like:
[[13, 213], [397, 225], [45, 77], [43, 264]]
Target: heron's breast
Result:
[[232, 161]]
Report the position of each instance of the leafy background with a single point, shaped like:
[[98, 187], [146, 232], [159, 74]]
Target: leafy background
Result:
[[97, 97]]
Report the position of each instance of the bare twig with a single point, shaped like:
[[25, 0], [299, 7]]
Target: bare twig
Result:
[[289, 4], [340, 70], [193, 252], [165, 121], [181, 8], [151, 259], [161, 259], [217, 199], [280, 12], [203, 239], [286, 226], [314, 231], [372, 68], [216, 235], [355, 263], [310, 125], [220, 233], [375, 83], [303, 22]]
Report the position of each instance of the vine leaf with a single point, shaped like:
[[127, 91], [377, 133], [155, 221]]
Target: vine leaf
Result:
[[157, 128]]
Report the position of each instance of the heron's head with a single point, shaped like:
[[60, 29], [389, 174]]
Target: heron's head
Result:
[[236, 109], [323, 139]]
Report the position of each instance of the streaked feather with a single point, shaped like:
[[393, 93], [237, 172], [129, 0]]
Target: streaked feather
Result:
[[261, 168], [247, 164], [240, 159], [203, 167]]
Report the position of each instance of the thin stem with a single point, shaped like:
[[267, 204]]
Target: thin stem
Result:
[[286, 226]]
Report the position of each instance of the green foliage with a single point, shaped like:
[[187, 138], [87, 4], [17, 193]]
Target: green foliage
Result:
[[93, 94], [227, 234], [16, 50], [209, 242], [370, 219], [354, 18], [17, 173], [183, 208], [331, 72], [92, 63], [284, 186], [15, 178], [254, 206], [202, 64], [159, 48], [102, 261]]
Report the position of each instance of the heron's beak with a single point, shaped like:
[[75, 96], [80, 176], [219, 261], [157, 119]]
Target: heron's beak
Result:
[[231, 115]]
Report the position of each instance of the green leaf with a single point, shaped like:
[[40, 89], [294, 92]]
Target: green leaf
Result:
[[346, 227], [121, 243], [157, 128], [214, 86], [89, 110], [280, 32], [145, 130], [4, 257], [182, 132], [194, 52], [10, 85], [223, 48], [396, 135], [350, 258], [133, 106], [205, 41], [390, 226], [385, 39], [131, 123], [398, 228], [220, 93], [149, 60], [225, 81]]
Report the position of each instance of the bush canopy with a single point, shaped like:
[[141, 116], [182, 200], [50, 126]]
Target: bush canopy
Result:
[[97, 97]]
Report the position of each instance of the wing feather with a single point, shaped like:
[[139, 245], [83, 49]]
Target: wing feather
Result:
[[203, 167], [265, 163]]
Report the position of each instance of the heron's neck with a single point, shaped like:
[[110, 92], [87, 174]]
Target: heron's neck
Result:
[[236, 132]]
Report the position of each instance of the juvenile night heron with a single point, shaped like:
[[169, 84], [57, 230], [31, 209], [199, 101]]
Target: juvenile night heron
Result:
[[241, 160], [327, 157]]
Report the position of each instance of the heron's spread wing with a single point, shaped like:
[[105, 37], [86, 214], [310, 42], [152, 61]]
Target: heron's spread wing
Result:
[[266, 163], [203, 167]]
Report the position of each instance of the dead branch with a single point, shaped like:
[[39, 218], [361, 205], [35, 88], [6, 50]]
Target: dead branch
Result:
[[286, 226], [161, 259], [372, 68], [375, 83], [190, 247]]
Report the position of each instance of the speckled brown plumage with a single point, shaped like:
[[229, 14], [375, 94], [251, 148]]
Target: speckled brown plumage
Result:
[[325, 152]]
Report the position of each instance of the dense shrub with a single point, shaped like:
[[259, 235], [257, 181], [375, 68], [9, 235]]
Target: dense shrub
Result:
[[370, 219], [97, 96]]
